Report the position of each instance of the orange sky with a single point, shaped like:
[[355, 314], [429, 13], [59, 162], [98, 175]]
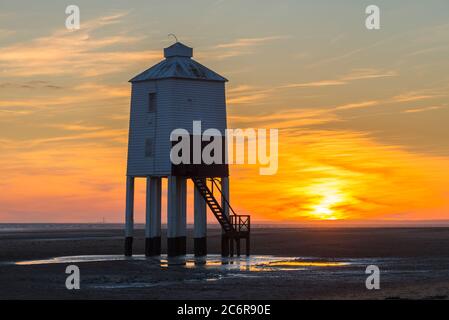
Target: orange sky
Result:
[[362, 115]]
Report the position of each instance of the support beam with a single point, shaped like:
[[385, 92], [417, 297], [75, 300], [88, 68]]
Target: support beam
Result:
[[224, 245], [200, 223], [225, 241], [129, 219], [182, 215], [225, 195], [237, 240], [171, 216], [153, 217], [231, 247], [177, 219]]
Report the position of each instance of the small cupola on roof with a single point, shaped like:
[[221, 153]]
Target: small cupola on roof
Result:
[[178, 50], [179, 64]]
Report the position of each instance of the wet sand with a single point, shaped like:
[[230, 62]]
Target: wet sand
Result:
[[285, 264]]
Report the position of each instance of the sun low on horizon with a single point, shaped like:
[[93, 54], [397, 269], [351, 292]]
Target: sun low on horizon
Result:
[[362, 114]]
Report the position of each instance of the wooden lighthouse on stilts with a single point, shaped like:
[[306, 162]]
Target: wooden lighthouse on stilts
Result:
[[178, 93]]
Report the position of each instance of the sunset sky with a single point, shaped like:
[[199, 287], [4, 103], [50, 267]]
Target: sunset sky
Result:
[[363, 115]]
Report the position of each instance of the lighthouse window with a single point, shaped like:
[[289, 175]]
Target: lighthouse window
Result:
[[152, 102], [148, 147]]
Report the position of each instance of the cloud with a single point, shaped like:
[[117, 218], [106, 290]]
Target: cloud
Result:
[[103, 90], [245, 94], [238, 47], [247, 98], [241, 88], [426, 51], [35, 84], [405, 97], [355, 75], [248, 42], [287, 119], [325, 174], [341, 57], [322, 83], [77, 53], [423, 109], [357, 105], [362, 74], [77, 135], [411, 97], [77, 96], [303, 117], [75, 127], [11, 110]]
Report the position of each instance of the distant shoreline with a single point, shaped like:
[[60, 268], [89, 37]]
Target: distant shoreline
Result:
[[18, 226]]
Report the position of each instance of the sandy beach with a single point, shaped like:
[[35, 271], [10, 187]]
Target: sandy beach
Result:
[[295, 263]]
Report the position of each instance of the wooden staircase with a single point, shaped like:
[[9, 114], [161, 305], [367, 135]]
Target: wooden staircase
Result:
[[234, 226]]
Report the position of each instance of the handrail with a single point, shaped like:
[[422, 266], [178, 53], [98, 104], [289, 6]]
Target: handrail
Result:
[[241, 223], [211, 192], [237, 220], [223, 197]]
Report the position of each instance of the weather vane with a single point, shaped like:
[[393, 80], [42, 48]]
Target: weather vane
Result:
[[174, 36]]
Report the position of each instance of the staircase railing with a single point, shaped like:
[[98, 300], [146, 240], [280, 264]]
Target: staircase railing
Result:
[[231, 211], [240, 223], [213, 204], [235, 226]]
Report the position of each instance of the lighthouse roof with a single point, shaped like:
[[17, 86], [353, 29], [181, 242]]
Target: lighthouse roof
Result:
[[178, 63]]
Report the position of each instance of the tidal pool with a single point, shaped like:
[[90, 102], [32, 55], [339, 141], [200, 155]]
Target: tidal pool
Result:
[[253, 263]]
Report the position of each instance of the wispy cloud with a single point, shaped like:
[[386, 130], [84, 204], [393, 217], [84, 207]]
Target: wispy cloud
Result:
[[416, 110], [78, 52], [357, 105], [77, 134], [300, 117], [238, 47], [248, 42], [75, 127], [363, 74], [426, 51], [249, 94], [412, 96], [354, 52], [357, 74], [247, 98], [286, 119], [83, 93], [315, 84], [35, 84]]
